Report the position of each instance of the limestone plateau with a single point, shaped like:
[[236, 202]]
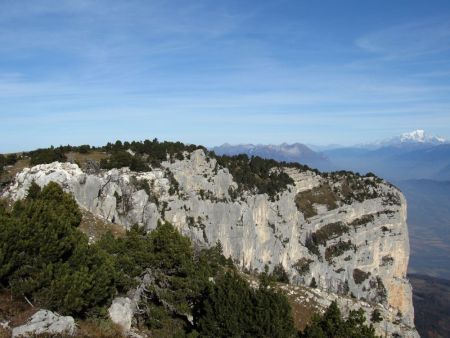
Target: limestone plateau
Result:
[[344, 232]]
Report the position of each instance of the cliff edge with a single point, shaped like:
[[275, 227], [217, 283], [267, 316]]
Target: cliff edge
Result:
[[342, 232]]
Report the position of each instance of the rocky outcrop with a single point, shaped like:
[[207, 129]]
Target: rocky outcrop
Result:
[[121, 312], [307, 300], [354, 246], [46, 322]]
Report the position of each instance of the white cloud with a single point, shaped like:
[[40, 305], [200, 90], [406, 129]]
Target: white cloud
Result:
[[408, 40]]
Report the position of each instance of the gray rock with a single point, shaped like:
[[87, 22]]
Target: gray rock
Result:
[[121, 312], [45, 321]]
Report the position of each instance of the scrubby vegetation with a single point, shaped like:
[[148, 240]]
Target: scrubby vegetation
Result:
[[362, 221], [332, 324], [44, 156], [338, 249], [323, 194], [256, 174], [230, 308], [46, 260], [360, 276], [152, 151], [121, 158], [302, 266], [9, 159], [279, 274], [342, 187], [324, 234], [329, 231], [253, 174]]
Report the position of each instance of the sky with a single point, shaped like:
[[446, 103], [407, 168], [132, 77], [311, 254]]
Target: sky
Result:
[[210, 72]]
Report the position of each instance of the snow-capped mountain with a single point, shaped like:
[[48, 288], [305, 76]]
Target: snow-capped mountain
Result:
[[414, 138], [419, 136]]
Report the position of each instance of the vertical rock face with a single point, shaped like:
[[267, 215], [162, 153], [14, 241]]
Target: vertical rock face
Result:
[[346, 232]]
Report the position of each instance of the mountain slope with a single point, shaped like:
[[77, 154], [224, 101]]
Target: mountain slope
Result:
[[345, 231]]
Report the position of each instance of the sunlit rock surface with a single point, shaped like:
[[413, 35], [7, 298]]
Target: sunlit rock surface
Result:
[[368, 261]]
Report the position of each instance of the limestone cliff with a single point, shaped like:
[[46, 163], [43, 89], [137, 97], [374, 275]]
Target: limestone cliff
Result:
[[346, 232]]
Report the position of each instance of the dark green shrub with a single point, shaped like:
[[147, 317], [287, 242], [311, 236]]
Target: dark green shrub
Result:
[[11, 159], [231, 308], [332, 324], [279, 274], [362, 221], [45, 258], [360, 276], [376, 316], [338, 249], [45, 156], [329, 231], [302, 265], [122, 158], [262, 176]]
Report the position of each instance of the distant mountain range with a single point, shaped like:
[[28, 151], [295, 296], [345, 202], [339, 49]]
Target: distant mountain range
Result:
[[413, 155]]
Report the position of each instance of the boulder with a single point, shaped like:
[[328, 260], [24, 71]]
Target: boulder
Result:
[[121, 312], [45, 322]]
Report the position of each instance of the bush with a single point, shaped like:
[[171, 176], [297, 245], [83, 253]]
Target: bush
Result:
[[329, 231], [338, 249], [45, 156], [376, 316], [302, 266], [279, 274], [84, 149], [45, 258], [360, 276], [332, 324], [11, 159], [231, 308], [256, 174], [2, 162], [120, 159]]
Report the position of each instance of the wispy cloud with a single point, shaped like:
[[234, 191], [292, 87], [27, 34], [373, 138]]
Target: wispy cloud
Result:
[[208, 73], [408, 40]]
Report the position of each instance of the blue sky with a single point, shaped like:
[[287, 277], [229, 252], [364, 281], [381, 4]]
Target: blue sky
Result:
[[210, 72]]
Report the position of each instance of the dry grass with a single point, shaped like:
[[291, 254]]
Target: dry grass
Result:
[[323, 194], [11, 171], [302, 313], [14, 310], [95, 227], [83, 158], [5, 333], [302, 310], [99, 329], [17, 311]]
